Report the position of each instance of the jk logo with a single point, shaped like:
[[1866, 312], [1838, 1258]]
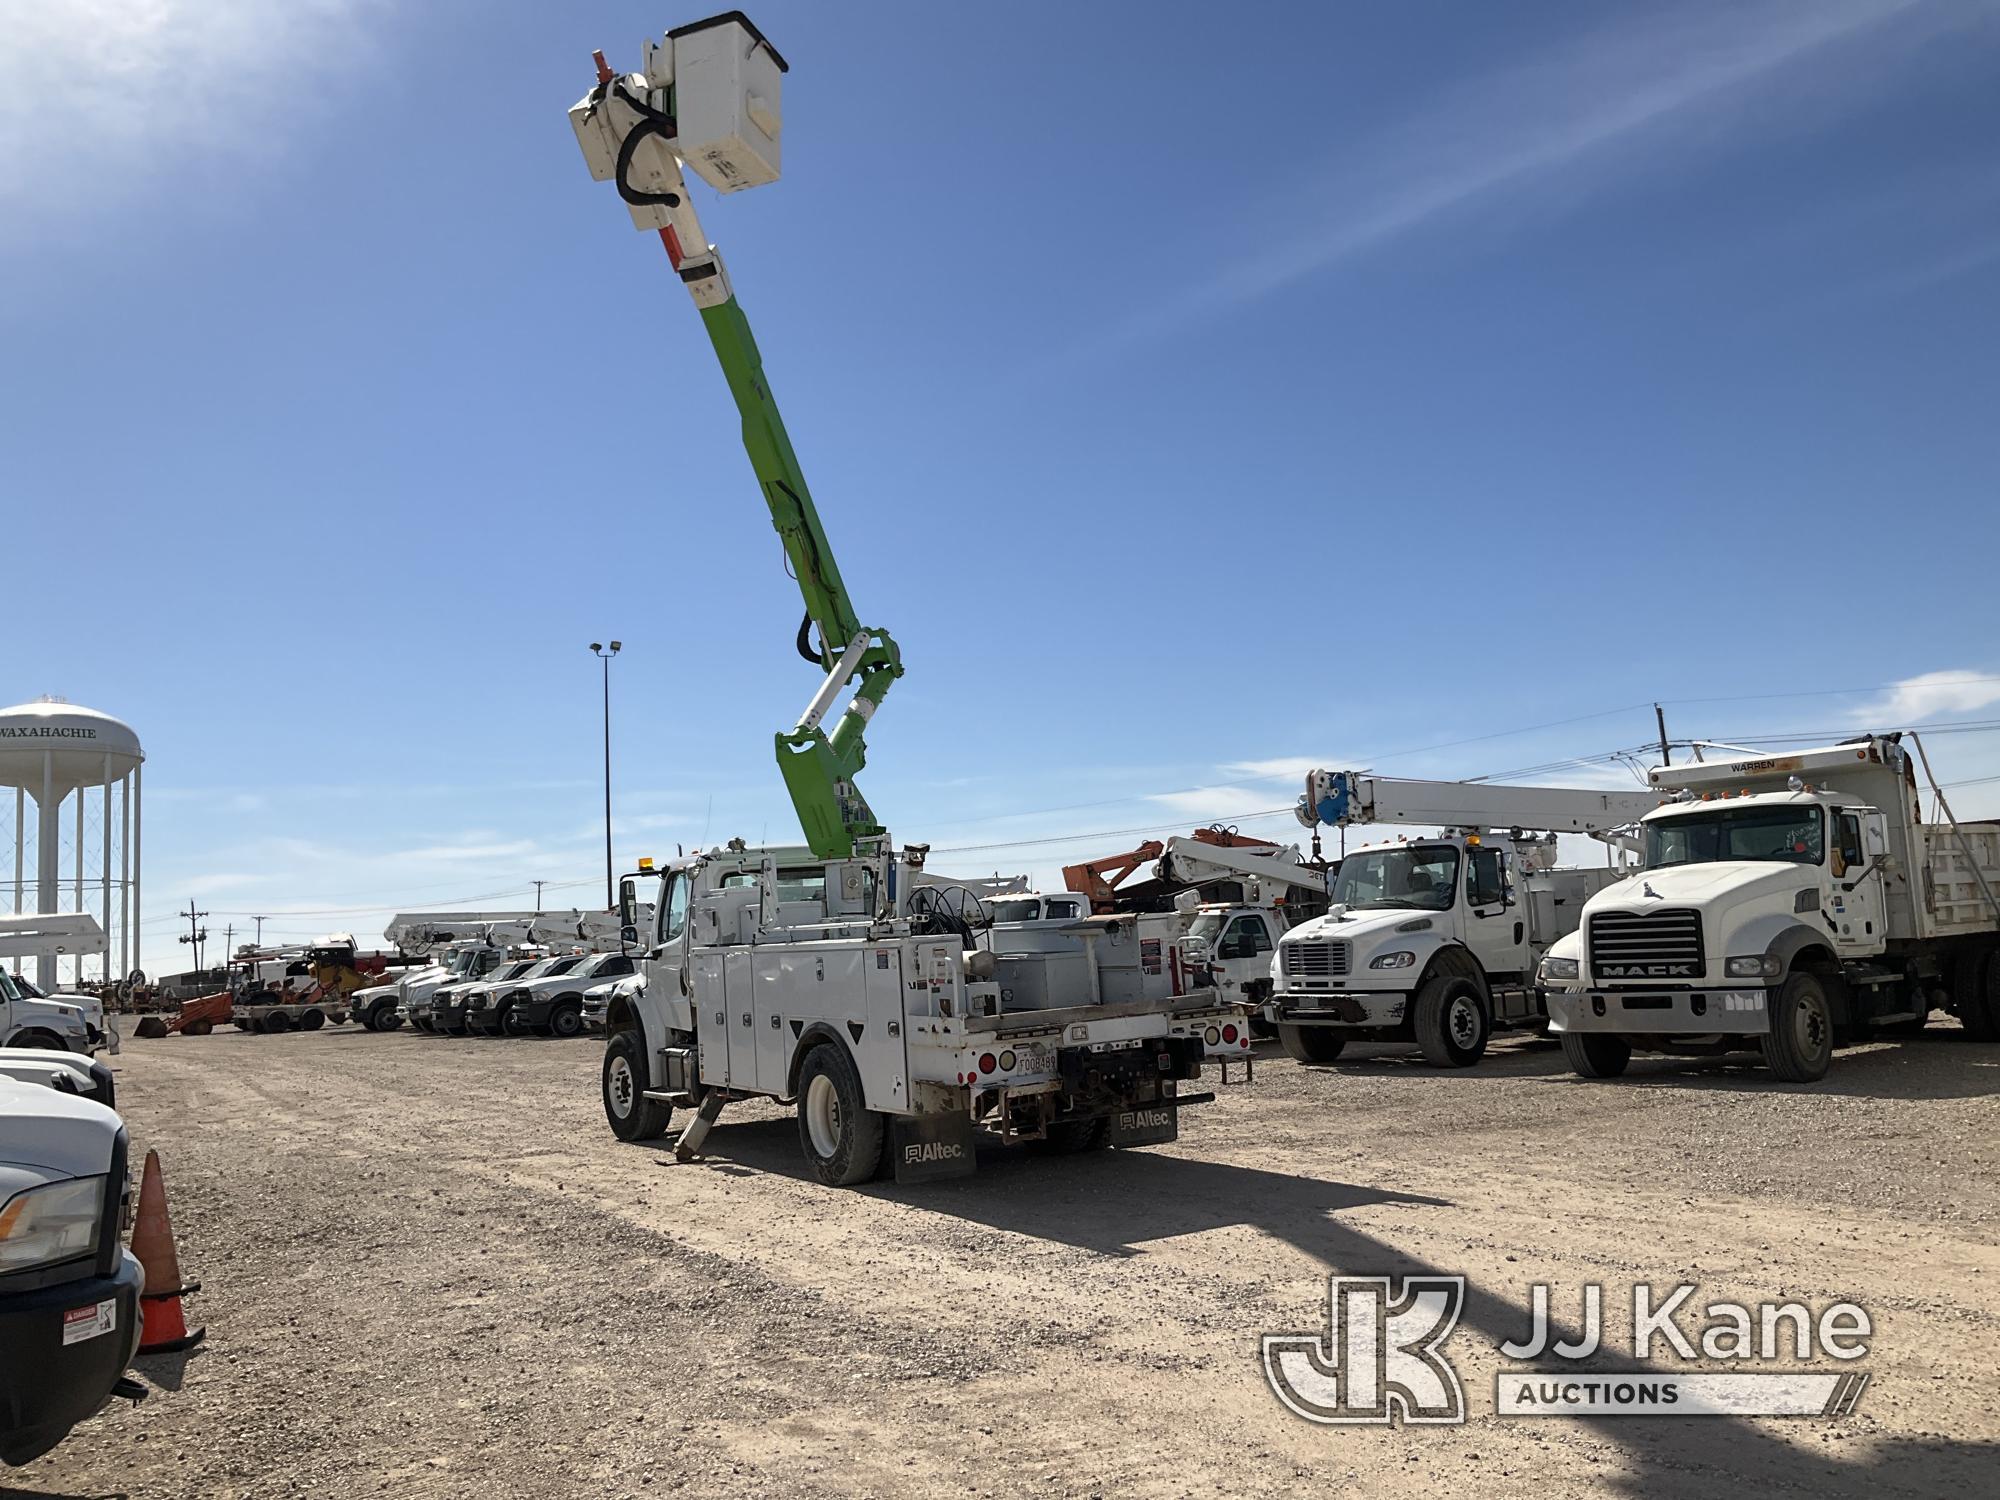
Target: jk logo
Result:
[[1377, 1357]]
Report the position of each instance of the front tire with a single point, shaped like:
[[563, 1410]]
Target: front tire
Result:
[[312, 1020], [840, 1135], [632, 1115], [566, 1020], [277, 1021], [47, 1040], [1596, 1056], [1799, 1046], [1311, 1044], [1451, 1022]]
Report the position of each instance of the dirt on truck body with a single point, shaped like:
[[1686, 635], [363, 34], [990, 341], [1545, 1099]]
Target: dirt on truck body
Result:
[[429, 1270]]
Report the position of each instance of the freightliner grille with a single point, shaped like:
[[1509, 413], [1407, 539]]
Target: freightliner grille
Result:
[[1315, 965], [1637, 947]]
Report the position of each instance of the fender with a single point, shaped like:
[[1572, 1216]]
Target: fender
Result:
[[811, 1037], [1782, 937], [627, 1014], [1452, 956]]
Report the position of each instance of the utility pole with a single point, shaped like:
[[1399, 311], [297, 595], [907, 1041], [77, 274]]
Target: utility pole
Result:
[[260, 930], [538, 896], [228, 942], [196, 935], [1660, 718], [597, 650]]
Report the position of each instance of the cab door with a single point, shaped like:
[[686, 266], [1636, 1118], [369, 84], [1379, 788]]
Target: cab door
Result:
[[1243, 957], [1858, 902], [1495, 928]]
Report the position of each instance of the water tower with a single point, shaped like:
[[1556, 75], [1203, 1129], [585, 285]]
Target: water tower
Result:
[[56, 755]]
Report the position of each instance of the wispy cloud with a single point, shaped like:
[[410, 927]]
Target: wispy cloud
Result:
[[98, 96], [1631, 96], [1914, 699], [1207, 804]]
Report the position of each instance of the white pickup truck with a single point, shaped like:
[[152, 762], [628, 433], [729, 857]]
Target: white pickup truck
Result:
[[29, 1018], [1786, 902], [69, 1289]]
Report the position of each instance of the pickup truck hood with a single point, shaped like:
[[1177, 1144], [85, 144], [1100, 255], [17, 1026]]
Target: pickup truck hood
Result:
[[59, 1134], [1703, 885]]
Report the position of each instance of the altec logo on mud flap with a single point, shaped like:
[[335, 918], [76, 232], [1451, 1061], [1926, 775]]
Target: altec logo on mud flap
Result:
[[918, 1152], [1381, 1358], [1145, 1119]]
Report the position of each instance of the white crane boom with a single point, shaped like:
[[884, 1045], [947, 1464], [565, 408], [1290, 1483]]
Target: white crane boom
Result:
[[1340, 798], [1194, 862]]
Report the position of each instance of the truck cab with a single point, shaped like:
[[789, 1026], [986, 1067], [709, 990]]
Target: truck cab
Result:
[[1431, 939], [28, 1018]]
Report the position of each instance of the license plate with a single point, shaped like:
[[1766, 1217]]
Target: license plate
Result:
[[90, 1321], [1033, 1059]]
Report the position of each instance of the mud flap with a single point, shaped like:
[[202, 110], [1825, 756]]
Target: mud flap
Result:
[[1146, 1124], [929, 1147]]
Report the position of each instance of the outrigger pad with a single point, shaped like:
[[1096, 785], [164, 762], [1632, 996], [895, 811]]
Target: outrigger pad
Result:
[[929, 1147], [1146, 1124]]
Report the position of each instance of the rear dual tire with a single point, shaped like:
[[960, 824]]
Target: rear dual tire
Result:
[[839, 1134]]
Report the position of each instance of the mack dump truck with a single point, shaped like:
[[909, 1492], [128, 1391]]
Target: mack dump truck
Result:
[[1435, 939], [829, 974], [1786, 902]]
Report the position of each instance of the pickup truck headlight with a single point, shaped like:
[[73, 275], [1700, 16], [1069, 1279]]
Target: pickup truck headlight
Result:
[[1754, 966], [1558, 968], [1401, 959], [51, 1223]]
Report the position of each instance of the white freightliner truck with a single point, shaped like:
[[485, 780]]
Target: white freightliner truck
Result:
[[1785, 902], [873, 1002], [828, 974], [1435, 938]]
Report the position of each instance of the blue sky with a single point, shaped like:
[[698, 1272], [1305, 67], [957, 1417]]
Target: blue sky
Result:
[[1197, 395]]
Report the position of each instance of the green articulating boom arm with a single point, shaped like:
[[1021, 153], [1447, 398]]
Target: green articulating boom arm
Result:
[[628, 133], [819, 768]]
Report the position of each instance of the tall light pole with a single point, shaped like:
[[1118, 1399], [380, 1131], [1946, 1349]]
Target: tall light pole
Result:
[[598, 650]]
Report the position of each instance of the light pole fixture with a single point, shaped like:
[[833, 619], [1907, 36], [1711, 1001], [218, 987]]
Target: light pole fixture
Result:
[[604, 655]]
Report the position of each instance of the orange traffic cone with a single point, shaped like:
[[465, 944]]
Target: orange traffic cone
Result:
[[163, 1329]]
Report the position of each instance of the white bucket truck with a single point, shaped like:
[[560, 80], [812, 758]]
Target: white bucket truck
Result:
[[1435, 938], [872, 1002], [1786, 901]]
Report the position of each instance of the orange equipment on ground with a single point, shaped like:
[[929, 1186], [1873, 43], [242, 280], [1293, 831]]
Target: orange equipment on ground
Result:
[[164, 1329], [198, 1017]]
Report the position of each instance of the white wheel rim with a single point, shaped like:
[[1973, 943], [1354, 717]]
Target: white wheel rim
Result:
[[823, 1115], [1809, 1025], [618, 1087]]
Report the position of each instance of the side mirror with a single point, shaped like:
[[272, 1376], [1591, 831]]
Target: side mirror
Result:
[[628, 910]]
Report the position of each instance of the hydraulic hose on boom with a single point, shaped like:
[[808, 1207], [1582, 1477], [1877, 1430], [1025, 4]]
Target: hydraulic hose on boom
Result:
[[708, 99]]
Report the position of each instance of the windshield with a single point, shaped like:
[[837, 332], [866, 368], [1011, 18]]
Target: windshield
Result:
[[1017, 911], [28, 988], [597, 963], [1207, 925], [1791, 832], [1422, 877], [559, 966]]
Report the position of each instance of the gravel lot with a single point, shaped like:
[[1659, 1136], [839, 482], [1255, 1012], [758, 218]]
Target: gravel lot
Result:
[[431, 1271]]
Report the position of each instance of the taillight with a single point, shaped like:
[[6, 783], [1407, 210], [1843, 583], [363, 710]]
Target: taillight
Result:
[[987, 1062], [1229, 1035]]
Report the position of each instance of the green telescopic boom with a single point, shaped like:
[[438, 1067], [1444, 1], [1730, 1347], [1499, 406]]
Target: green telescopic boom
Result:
[[629, 128]]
